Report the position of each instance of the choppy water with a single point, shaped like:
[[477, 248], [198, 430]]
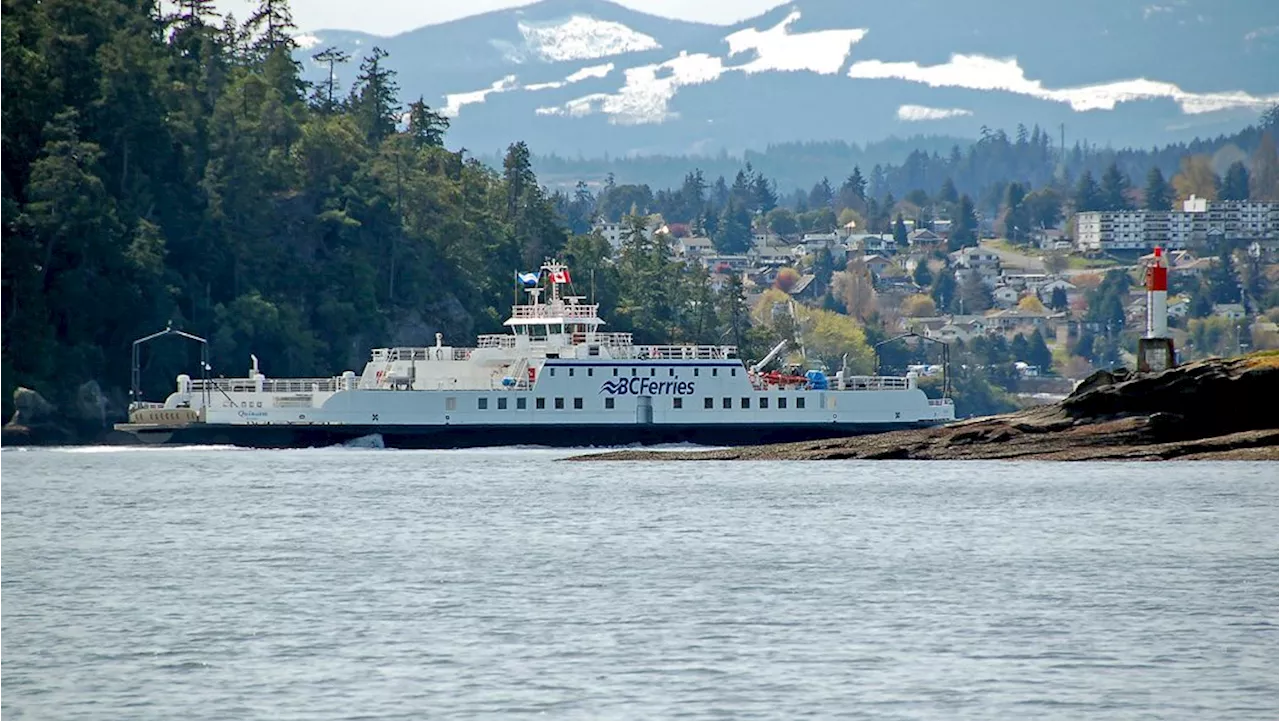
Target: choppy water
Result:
[[327, 584]]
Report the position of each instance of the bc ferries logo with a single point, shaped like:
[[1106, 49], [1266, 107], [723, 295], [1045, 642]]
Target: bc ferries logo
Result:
[[646, 387]]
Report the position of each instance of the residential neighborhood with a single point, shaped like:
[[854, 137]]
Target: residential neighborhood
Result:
[[1078, 287]]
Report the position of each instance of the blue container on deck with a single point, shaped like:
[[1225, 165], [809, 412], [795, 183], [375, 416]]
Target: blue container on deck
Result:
[[817, 380]]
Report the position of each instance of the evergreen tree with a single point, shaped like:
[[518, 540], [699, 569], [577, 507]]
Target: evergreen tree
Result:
[[1235, 184], [1158, 194], [964, 227], [1015, 214], [1038, 353], [1263, 172], [855, 184], [944, 289], [763, 194], [1088, 195], [733, 232], [900, 231], [271, 22], [324, 98], [921, 275], [1019, 349], [426, 126], [1115, 187], [821, 196], [974, 295], [693, 199], [1058, 299], [374, 97], [1223, 285], [948, 193]]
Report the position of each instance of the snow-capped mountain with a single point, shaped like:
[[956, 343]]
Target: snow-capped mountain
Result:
[[590, 77]]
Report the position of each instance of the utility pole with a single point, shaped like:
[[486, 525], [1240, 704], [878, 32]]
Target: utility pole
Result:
[[391, 281]]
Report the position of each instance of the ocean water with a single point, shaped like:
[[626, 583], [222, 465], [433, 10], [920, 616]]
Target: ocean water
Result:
[[373, 584]]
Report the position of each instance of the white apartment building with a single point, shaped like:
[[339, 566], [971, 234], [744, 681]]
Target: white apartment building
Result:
[[615, 233], [1200, 222]]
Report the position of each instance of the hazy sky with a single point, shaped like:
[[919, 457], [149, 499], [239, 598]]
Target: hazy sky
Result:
[[389, 17]]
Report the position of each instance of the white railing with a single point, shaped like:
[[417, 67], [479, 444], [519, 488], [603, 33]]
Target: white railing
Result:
[[388, 355], [876, 383], [269, 385], [509, 341], [496, 341], [686, 352], [555, 311]]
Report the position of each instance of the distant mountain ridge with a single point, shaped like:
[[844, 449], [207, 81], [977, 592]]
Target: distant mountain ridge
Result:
[[591, 77]]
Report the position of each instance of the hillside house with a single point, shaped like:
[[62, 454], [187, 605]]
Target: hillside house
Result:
[[1006, 296], [694, 247], [924, 239]]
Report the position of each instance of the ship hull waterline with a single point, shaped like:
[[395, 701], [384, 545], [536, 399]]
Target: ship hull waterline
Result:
[[478, 436]]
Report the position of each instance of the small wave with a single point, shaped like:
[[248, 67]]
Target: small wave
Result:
[[373, 440], [141, 449]]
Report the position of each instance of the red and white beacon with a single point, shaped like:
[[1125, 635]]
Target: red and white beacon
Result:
[[1158, 297], [1155, 349]]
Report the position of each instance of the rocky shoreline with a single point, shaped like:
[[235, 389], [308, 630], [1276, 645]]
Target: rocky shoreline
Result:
[[1209, 410]]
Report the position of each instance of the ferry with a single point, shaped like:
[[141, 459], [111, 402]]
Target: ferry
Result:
[[556, 378]]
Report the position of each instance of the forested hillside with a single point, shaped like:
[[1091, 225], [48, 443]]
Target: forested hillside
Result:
[[174, 168]]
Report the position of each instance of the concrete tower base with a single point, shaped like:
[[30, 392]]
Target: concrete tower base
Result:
[[1155, 355]]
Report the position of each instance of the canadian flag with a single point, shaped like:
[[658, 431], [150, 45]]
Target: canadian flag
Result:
[[560, 276]]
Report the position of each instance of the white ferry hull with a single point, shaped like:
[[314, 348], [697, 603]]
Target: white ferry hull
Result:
[[478, 436]]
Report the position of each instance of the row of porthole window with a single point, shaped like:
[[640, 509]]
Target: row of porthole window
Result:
[[676, 402], [653, 372]]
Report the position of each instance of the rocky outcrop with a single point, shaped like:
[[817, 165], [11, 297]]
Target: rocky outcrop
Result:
[[35, 421], [1212, 409], [85, 418]]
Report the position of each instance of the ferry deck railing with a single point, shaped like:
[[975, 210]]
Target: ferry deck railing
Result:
[[556, 311], [269, 385], [686, 352], [876, 383]]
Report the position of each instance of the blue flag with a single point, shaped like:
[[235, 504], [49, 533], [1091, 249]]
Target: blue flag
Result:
[[528, 280]]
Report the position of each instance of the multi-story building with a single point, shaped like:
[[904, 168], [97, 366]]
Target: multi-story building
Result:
[[1199, 223], [977, 260]]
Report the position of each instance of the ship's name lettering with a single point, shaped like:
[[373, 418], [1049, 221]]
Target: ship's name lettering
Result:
[[646, 387]]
